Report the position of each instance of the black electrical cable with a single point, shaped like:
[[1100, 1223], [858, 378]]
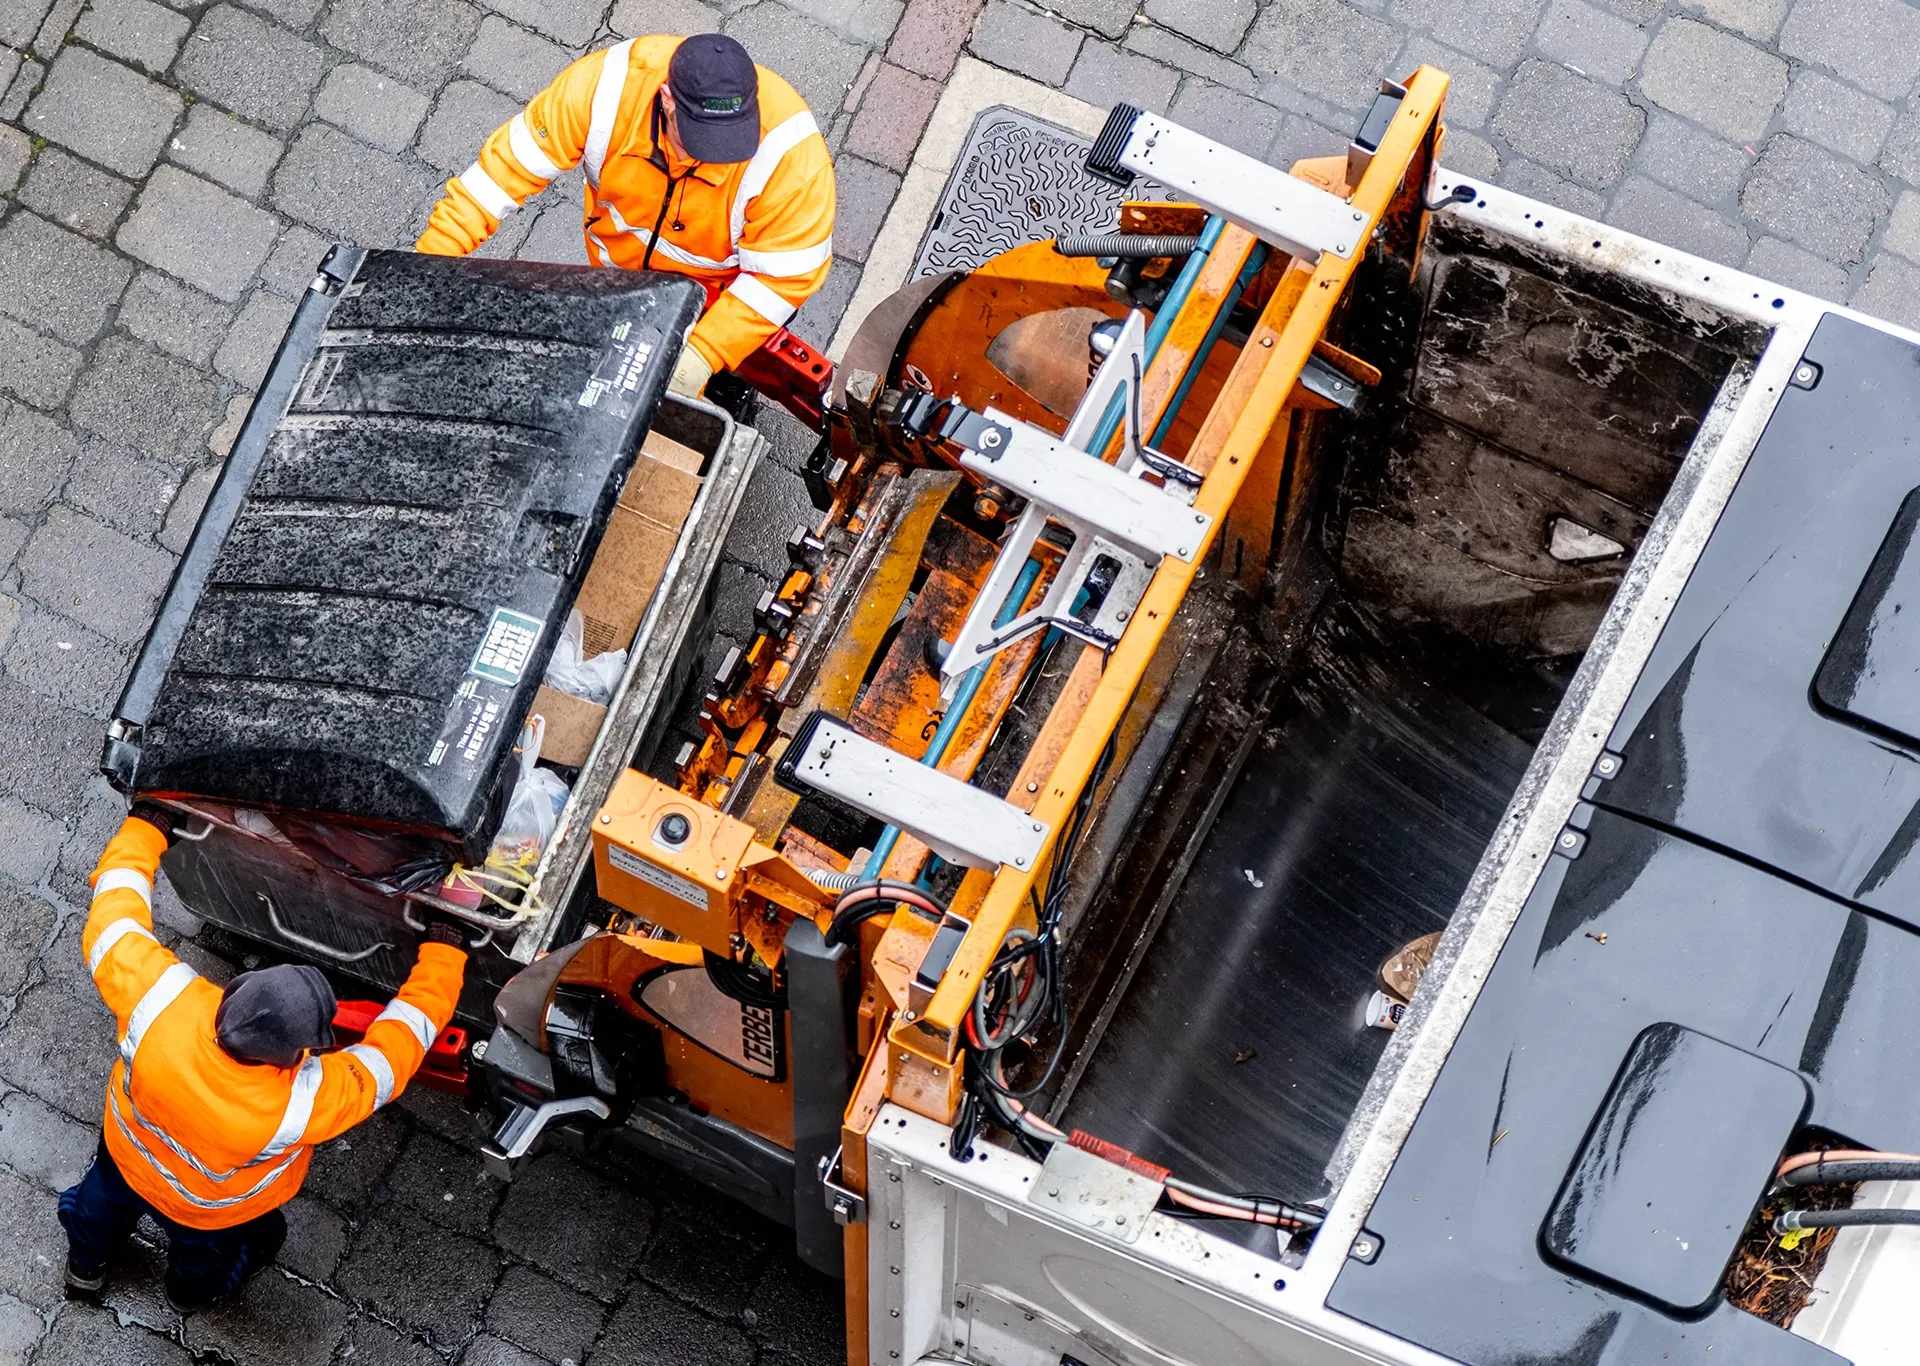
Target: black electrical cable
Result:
[[1844, 1171], [869, 899], [745, 984], [1798, 1219]]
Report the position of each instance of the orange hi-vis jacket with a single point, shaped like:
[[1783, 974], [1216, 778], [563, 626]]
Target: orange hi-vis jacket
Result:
[[758, 234], [207, 1140]]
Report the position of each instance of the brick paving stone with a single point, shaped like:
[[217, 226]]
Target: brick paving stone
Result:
[[30, 842], [126, 492], [295, 261], [371, 1343], [487, 1350], [466, 116], [868, 22], [1536, 182], [16, 150], [1891, 291], [137, 31], [25, 925], [446, 1184], [1759, 19], [74, 194], [100, 577], [220, 147], [1471, 154], [1838, 117], [16, 535], [20, 20], [86, 1336], [347, 188], [893, 114], [13, 535], [35, 368], [820, 315], [348, 1171], [1654, 211], [1164, 45], [1569, 124], [1797, 268], [40, 1143], [292, 13], [420, 1274], [20, 1329], [316, 1239], [1687, 158], [1495, 31], [418, 42], [222, 439], [1218, 24], [927, 40], [179, 320], [1105, 75], [539, 1313], [257, 69], [1108, 18], [273, 1321], [510, 58], [865, 193], [51, 753], [1601, 45], [572, 22], [1020, 40], [185, 512], [634, 18], [704, 1262], [1901, 156], [819, 63], [1473, 87], [1238, 120], [199, 233], [1713, 78], [578, 1225], [1324, 48], [372, 105], [249, 348], [104, 111], [55, 279], [802, 1310], [144, 400], [1903, 228], [1810, 196], [1873, 43], [650, 1328], [64, 661], [36, 454]]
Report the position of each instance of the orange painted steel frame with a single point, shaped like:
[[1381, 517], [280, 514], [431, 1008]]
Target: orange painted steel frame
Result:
[[924, 1076]]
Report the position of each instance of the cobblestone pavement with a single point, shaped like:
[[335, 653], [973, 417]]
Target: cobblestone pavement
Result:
[[171, 173]]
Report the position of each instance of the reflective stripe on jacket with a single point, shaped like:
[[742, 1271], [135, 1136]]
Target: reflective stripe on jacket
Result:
[[758, 234], [207, 1140]]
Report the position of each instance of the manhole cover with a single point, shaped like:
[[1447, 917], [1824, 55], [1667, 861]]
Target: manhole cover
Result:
[[1019, 179]]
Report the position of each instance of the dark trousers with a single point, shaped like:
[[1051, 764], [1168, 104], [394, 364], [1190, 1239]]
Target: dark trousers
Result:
[[202, 1264]]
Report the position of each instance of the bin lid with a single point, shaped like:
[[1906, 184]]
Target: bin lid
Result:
[[368, 604]]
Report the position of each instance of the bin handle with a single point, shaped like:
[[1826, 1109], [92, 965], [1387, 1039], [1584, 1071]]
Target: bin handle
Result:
[[194, 837], [420, 927], [314, 946]]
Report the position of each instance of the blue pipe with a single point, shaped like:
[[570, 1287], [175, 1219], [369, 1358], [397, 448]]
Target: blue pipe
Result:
[[956, 711], [1255, 260], [1162, 324]]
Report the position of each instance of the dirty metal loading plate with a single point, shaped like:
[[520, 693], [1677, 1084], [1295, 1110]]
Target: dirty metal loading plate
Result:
[[1018, 179]]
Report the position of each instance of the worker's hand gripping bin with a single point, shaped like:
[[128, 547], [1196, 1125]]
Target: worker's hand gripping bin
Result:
[[343, 690]]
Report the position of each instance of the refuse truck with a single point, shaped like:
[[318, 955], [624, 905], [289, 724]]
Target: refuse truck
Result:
[[1333, 782]]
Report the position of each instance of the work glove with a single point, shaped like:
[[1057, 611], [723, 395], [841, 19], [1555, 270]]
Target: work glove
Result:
[[445, 930], [691, 374], [156, 815]]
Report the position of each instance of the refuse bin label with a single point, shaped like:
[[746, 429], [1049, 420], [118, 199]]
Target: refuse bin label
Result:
[[507, 646], [614, 386], [472, 718]]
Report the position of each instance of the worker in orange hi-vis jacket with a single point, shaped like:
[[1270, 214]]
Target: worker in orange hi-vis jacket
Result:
[[696, 160], [218, 1096]]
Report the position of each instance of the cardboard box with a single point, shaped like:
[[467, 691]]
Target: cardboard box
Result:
[[639, 540]]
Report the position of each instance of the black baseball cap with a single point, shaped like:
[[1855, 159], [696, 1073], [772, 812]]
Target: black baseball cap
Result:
[[716, 98]]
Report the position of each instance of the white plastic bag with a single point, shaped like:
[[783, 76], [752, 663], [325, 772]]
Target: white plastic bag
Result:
[[594, 679], [532, 811]]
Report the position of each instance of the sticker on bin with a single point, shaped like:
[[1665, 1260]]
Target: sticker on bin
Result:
[[665, 879], [507, 646], [616, 378]]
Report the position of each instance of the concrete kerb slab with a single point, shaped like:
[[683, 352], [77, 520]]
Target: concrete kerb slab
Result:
[[974, 87]]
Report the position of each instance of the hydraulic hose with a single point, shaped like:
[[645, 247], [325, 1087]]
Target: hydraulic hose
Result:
[[1125, 244], [1797, 1219]]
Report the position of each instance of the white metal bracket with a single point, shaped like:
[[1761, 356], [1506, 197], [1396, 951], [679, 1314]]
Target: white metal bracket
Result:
[[1122, 525]]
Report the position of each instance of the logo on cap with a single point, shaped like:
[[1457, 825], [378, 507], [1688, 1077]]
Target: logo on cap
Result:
[[723, 104]]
